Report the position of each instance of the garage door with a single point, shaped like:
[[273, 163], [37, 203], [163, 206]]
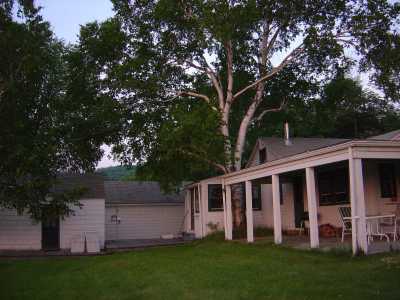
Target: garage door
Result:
[[143, 222]]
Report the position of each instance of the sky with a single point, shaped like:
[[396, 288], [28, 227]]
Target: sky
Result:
[[65, 18]]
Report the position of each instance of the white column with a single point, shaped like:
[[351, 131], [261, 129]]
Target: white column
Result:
[[276, 202], [187, 210], [201, 211], [228, 212], [249, 213], [312, 207], [357, 200]]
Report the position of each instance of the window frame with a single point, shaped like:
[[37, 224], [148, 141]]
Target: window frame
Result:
[[262, 153], [336, 190], [391, 176], [210, 207], [196, 201], [256, 188]]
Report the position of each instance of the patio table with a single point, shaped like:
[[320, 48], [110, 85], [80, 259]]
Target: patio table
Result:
[[374, 226]]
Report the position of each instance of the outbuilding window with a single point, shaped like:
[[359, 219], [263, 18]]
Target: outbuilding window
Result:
[[215, 202], [387, 174]]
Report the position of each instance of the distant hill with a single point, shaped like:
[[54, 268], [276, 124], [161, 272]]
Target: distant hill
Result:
[[117, 173]]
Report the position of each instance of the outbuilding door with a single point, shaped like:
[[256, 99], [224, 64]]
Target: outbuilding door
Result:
[[51, 234]]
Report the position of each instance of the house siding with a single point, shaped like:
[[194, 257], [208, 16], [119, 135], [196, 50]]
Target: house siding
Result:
[[88, 219], [144, 222], [213, 218], [19, 232], [264, 217]]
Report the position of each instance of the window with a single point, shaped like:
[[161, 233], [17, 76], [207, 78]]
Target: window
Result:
[[387, 174], [333, 187], [215, 197], [196, 200], [262, 155], [256, 196]]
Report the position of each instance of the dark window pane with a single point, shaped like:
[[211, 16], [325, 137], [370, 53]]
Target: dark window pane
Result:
[[333, 187], [387, 174], [196, 200], [256, 194], [263, 155], [215, 197]]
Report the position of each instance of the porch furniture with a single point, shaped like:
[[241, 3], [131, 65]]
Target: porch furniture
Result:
[[389, 226], [381, 226], [304, 218], [397, 213], [345, 218]]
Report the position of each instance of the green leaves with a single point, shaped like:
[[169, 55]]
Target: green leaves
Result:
[[188, 145], [173, 47], [54, 113]]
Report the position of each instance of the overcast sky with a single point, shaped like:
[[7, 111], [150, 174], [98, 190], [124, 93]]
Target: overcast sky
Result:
[[66, 17]]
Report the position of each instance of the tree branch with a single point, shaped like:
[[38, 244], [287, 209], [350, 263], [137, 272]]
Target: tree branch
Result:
[[217, 165], [272, 42], [214, 81], [287, 60], [264, 112], [192, 94], [229, 65]]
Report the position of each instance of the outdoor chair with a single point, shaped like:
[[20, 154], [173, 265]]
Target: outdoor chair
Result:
[[304, 218], [388, 226], [345, 217]]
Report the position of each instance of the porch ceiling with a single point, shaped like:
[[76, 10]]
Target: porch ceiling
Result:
[[353, 149]]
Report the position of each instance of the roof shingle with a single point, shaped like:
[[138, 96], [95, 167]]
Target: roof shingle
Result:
[[138, 192], [277, 149]]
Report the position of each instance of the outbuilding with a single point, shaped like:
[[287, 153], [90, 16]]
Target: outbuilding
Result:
[[140, 210], [21, 232]]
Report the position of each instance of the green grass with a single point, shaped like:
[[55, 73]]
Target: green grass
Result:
[[210, 269]]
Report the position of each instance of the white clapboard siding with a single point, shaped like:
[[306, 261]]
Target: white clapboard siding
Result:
[[88, 219], [19, 232], [143, 222], [264, 217]]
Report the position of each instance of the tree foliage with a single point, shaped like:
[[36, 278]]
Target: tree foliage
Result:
[[242, 60], [342, 108], [54, 113]]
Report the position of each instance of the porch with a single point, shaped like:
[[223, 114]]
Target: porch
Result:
[[335, 244], [308, 177]]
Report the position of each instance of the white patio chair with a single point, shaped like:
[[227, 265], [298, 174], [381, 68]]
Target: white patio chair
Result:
[[388, 226], [345, 218], [375, 229]]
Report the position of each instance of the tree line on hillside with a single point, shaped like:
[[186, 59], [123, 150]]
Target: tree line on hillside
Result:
[[183, 89]]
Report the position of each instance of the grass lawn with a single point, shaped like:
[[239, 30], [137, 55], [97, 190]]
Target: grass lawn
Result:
[[210, 269]]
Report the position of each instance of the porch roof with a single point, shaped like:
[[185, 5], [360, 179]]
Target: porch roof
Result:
[[326, 155], [372, 149]]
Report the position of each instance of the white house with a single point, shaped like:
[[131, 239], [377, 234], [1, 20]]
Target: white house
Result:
[[288, 178]]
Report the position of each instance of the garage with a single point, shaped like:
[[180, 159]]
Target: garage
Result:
[[140, 210]]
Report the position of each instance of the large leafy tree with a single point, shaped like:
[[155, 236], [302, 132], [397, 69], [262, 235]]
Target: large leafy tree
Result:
[[54, 113], [342, 108], [242, 60]]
